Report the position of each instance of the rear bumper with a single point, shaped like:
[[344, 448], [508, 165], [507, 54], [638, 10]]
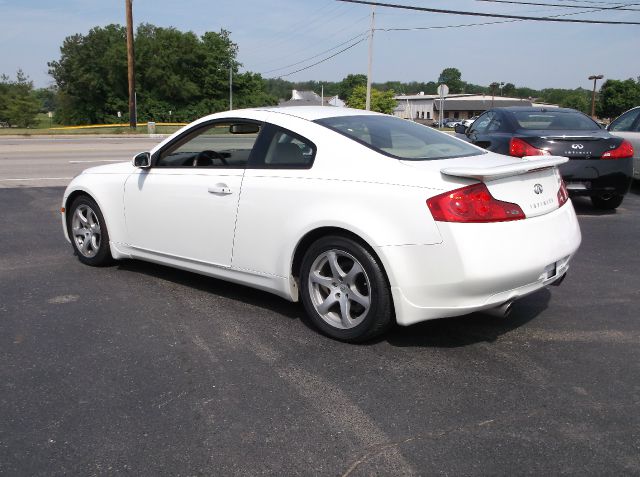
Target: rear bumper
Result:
[[480, 266], [591, 177]]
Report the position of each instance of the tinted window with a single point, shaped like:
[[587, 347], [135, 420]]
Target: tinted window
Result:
[[625, 122], [399, 138], [289, 151], [481, 125], [554, 120], [221, 144]]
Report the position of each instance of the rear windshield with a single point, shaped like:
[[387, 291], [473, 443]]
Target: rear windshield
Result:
[[555, 120], [399, 138]]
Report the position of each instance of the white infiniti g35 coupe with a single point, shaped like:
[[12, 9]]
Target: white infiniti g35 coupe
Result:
[[367, 219]]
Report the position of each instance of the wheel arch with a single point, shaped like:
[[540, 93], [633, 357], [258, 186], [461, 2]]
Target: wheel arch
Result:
[[310, 237]]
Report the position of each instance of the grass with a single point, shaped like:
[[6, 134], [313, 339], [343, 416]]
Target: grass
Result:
[[45, 127]]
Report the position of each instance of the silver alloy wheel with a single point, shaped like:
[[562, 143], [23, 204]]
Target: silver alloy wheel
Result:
[[85, 230], [339, 289]]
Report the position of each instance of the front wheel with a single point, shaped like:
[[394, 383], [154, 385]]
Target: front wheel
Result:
[[607, 202], [88, 232], [344, 290]]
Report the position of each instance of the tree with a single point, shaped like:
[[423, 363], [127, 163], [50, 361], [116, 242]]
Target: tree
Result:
[[18, 103], [179, 75], [381, 101], [453, 79], [349, 83], [578, 101], [509, 89], [617, 96]]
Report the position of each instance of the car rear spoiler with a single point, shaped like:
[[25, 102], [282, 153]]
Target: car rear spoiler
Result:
[[528, 163]]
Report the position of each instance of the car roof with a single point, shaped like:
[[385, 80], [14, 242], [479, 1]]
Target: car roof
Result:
[[311, 113]]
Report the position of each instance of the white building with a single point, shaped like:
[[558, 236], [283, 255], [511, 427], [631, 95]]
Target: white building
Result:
[[460, 106]]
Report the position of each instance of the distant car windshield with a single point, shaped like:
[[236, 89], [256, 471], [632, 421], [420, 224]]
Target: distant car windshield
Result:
[[399, 138], [555, 120]]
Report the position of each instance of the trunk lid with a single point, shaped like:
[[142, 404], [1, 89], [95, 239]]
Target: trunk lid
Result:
[[574, 145], [530, 182], [533, 183]]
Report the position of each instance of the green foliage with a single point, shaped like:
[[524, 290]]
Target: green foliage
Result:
[[18, 102], [618, 96], [179, 76], [381, 101], [579, 100], [453, 79], [350, 83]]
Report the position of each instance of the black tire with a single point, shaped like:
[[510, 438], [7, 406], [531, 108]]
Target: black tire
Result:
[[607, 202], [88, 232], [359, 287]]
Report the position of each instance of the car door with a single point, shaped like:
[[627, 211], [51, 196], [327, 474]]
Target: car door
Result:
[[627, 126], [184, 206]]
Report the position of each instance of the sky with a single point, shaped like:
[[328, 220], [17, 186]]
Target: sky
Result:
[[277, 37]]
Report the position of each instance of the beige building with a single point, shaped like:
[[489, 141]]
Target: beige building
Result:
[[459, 106]]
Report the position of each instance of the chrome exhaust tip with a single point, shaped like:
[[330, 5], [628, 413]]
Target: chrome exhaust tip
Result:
[[502, 311]]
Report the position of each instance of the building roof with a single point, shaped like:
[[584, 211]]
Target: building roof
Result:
[[479, 104]]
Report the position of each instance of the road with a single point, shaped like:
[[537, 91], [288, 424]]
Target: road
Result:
[[54, 161], [143, 370]]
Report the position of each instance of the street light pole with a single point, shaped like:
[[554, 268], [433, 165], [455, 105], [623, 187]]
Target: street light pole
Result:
[[131, 66], [593, 95]]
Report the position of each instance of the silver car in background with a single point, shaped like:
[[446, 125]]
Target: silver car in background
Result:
[[627, 126]]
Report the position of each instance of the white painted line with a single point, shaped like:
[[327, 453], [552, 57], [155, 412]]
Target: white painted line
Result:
[[39, 179], [97, 160]]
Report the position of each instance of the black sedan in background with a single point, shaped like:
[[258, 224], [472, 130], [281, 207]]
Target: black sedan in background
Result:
[[600, 165]]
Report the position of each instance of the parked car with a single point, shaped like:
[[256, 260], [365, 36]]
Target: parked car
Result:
[[365, 218], [627, 126], [600, 164], [468, 122]]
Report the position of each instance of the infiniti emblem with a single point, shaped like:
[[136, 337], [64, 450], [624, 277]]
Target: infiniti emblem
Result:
[[538, 188], [577, 146]]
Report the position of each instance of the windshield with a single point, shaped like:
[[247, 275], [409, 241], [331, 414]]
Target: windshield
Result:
[[554, 120], [399, 138]]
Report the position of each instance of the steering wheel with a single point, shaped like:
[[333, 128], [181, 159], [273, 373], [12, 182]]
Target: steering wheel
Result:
[[207, 156]]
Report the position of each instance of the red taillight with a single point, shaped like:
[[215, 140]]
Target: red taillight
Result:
[[473, 203], [563, 194], [520, 148], [625, 149]]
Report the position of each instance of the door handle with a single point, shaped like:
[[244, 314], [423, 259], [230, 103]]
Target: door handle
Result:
[[220, 189]]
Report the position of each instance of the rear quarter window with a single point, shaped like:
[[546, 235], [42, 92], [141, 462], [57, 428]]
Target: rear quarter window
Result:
[[399, 138]]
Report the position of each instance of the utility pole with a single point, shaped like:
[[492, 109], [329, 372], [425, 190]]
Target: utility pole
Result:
[[131, 66], [373, 23], [593, 95], [230, 87]]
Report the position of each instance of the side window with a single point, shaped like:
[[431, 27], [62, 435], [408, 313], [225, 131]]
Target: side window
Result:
[[288, 150], [625, 122], [481, 124], [226, 143]]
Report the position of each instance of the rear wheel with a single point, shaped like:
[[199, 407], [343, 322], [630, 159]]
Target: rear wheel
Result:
[[88, 232], [607, 202], [344, 290]]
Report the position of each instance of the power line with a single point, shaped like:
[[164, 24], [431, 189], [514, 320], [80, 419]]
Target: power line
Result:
[[490, 15], [315, 56], [599, 7], [325, 59], [462, 25]]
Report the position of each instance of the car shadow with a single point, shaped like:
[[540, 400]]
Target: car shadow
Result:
[[583, 206], [469, 329], [214, 286], [444, 333]]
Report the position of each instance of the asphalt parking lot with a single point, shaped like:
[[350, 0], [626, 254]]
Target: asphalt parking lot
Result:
[[143, 370]]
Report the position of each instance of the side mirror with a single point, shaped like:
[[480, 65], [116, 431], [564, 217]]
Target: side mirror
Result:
[[142, 160], [460, 129]]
